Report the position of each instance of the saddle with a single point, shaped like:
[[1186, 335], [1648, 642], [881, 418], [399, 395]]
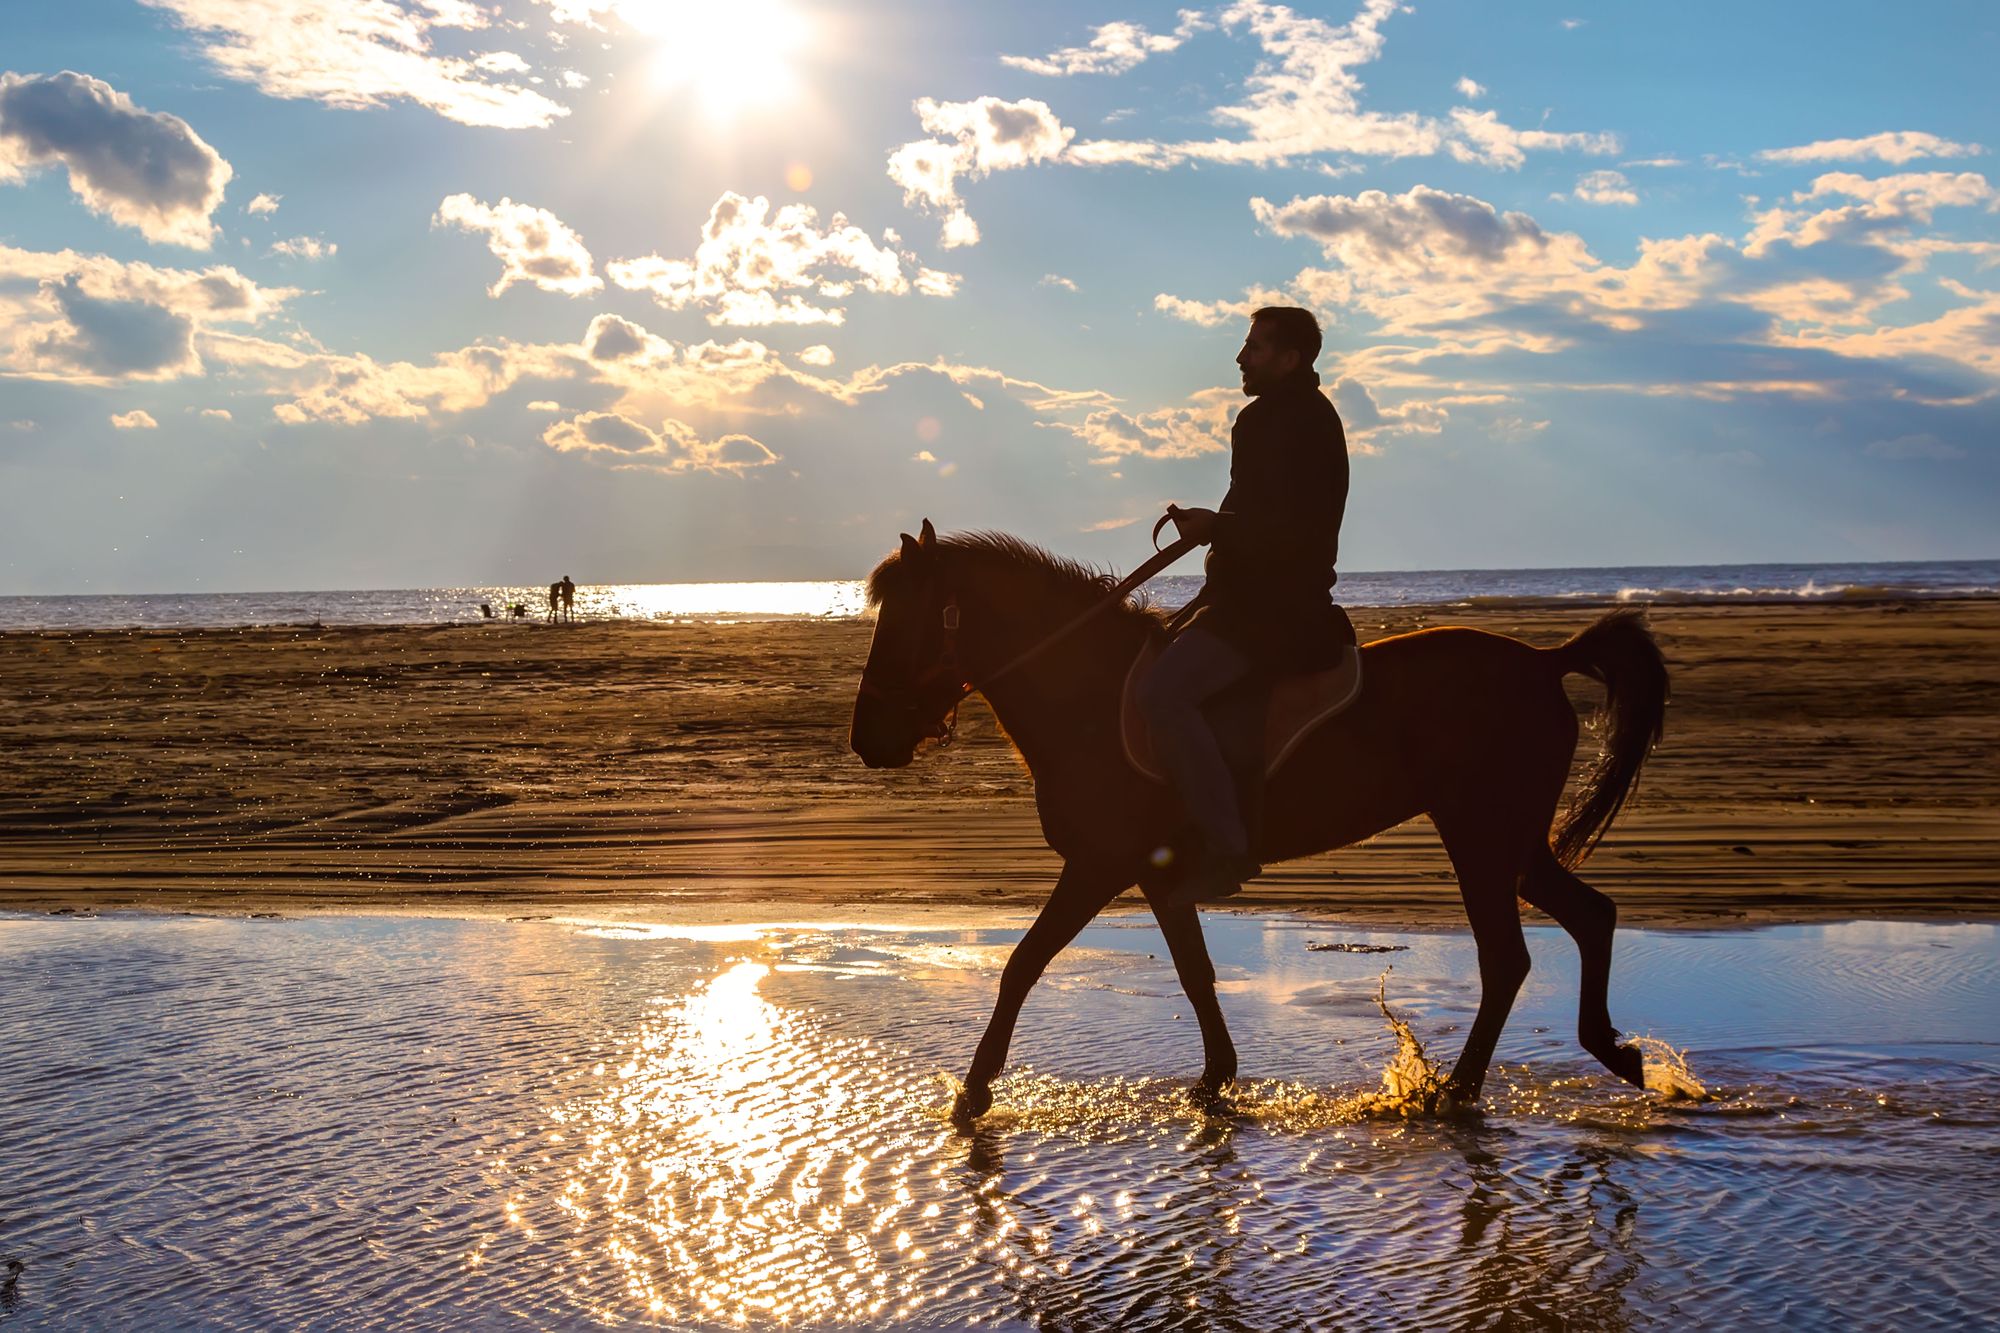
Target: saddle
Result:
[[1298, 704]]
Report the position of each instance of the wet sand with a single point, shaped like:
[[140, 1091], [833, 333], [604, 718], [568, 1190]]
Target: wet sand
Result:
[[1820, 762]]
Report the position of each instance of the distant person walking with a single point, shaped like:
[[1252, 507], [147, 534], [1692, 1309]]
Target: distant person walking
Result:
[[568, 590], [555, 601]]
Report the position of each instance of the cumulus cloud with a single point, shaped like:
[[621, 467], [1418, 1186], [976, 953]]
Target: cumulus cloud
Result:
[[305, 247], [1893, 146], [217, 414], [980, 137], [1057, 280], [90, 318], [756, 267], [263, 203], [1113, 49], [1469, 89], [819, 354], [142, 169], [360, 54], [532, 244], [136, 419], [675, 447], [1187, 430], [1214, 314], [1602, 187]]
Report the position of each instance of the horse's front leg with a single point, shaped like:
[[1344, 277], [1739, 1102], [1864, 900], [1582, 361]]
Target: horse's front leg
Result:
[[1181, 924], [1080, 894]]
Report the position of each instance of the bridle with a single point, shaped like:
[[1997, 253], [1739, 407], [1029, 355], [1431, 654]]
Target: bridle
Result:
[[908, 695]]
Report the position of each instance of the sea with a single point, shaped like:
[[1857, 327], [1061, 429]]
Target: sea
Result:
[[714, 603]]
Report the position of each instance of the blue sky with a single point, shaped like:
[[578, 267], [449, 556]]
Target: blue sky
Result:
[[358, 293]]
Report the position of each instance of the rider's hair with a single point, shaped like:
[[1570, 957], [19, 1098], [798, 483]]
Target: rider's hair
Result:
[[1296, 329]]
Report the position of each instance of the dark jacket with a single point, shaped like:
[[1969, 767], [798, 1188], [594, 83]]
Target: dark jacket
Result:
[[1277, 533]]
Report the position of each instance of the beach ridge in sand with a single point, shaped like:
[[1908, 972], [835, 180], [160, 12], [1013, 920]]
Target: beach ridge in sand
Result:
[[1820, 761]]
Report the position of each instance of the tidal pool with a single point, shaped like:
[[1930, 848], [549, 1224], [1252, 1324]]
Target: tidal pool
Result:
[[409, 1124]]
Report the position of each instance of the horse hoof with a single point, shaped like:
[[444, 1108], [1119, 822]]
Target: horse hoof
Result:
[[970, 1104], [1629, 1063], [1210, 1099]]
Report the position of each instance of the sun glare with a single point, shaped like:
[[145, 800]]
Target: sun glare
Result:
[[734, 55]]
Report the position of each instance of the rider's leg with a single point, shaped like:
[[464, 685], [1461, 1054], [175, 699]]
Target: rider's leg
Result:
[[1195, 668]]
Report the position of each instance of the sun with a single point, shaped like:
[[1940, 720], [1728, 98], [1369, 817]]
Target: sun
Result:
[[733, 55]]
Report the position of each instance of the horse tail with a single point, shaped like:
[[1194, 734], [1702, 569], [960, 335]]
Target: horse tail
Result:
[[1619, 652]]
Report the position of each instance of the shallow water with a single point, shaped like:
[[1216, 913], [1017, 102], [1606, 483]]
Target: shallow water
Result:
[[424, 1124]]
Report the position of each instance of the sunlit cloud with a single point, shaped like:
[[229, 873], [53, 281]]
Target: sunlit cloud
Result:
[[755, 267], [1113, 48], [305, 247], [1603, 187], [674, 447], [71, 316], [819, 354], [263, 203], [532, 244], [1893, 146], [361, 53], [136, 419], [1470, 89], [142, 169], [1302, 103]]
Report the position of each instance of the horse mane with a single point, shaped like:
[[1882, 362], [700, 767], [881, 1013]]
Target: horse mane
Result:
[[1052, 577]]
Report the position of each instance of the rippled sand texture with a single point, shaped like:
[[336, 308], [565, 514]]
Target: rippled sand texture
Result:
[[439, 1124]]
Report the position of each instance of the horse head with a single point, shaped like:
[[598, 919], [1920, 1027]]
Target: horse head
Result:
[[913, 682]]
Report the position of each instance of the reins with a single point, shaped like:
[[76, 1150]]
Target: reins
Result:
[[948, 658]]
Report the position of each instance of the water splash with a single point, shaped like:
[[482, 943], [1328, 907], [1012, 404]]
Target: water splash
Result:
[[1413, 1084], [1668, 1072]]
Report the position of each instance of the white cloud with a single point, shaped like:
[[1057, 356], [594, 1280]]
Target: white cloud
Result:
[[545, 405], [1483, 138], [305, 247], [71, 316], [1057, 280], [982, 137], [1893, 146], [1603, 187], [819, 354], [142, 169], [532, 244], [137, 419], [1654, 162], [675, 447], [1214, 314], [263, 203], [358, 54], [756, 267], [1113, 49], [1470, 89], [1302, 102], [216, 414], [1198, 426]]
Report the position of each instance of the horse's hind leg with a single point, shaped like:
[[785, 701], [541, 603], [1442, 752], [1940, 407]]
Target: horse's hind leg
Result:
[[1181, 924], [1079, 895], [1488, 862], [1590, 918]]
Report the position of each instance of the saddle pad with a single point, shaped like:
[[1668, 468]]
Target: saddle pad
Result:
[[1298, 704]]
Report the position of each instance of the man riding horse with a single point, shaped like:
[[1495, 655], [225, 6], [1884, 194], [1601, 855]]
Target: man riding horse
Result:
[[1266, 609]]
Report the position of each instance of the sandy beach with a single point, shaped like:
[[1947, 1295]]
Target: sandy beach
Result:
[[1820, 761]]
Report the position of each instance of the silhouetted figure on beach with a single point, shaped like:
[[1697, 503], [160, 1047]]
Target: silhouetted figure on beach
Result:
[[555, 601], [568, 591], [486, 610], [519, 610], [1266, 609]]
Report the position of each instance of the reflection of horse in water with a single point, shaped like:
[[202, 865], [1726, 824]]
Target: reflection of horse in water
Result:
[[1470, 728]]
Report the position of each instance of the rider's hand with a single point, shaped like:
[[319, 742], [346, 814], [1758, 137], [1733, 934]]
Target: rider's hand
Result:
[[1196, 523]]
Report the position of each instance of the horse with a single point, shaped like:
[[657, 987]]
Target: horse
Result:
[[1471, 728]]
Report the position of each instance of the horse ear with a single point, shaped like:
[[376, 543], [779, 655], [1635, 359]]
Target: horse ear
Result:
[[911, 551], [930, 535]]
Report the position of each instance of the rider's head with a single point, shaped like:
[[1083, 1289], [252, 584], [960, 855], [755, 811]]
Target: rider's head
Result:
[[1281, 340]]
